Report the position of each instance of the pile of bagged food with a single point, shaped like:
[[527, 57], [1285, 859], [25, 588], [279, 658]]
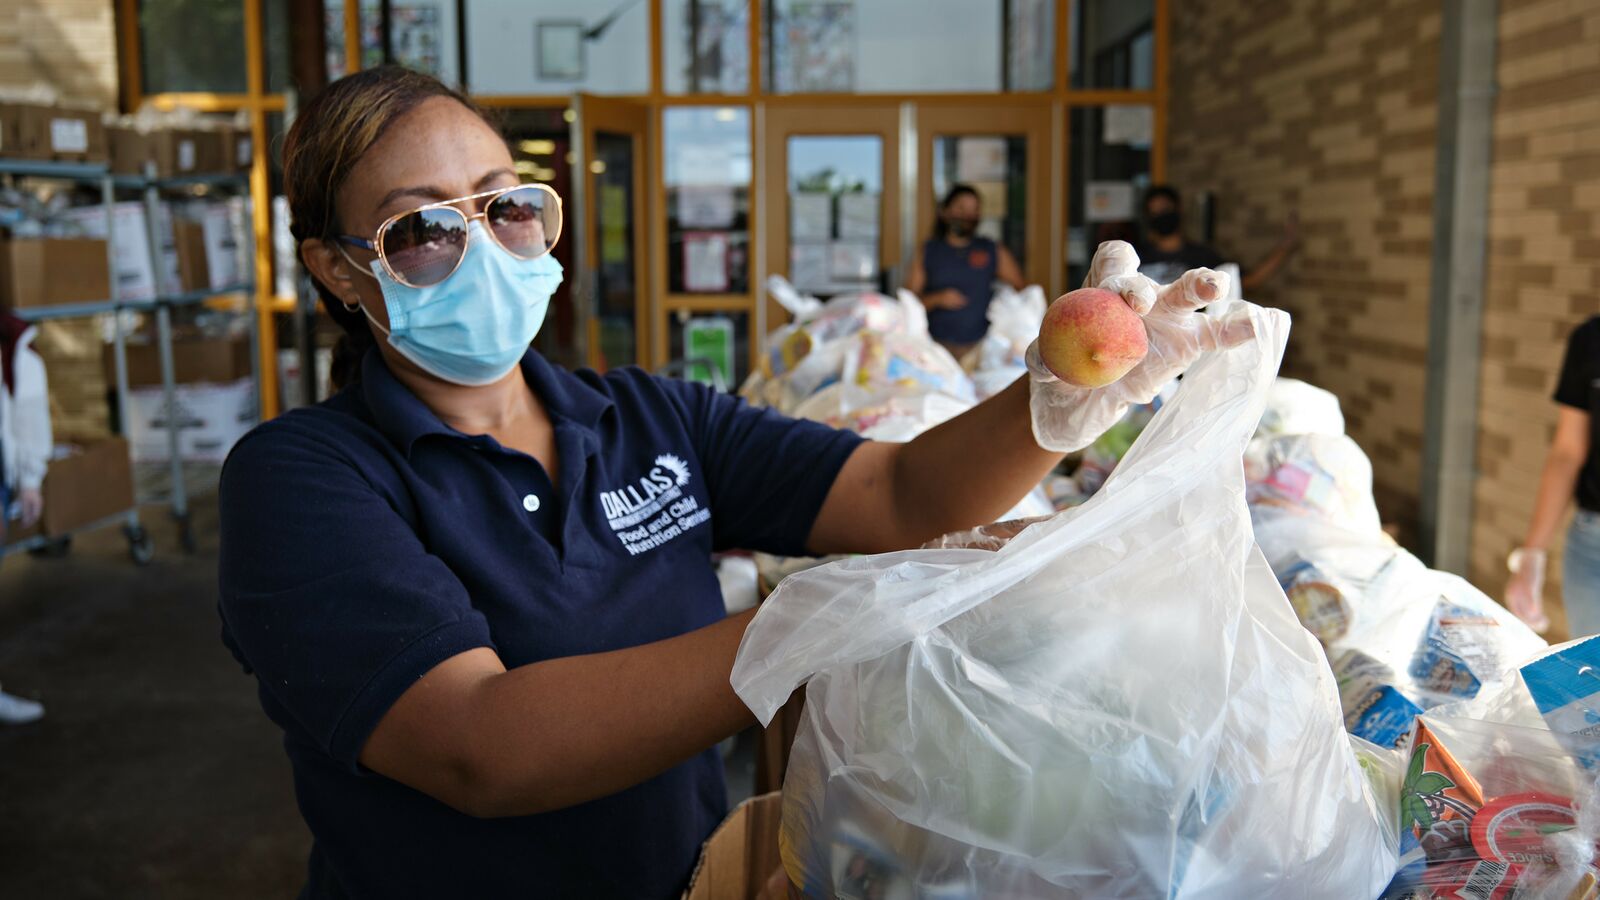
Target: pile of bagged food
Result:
[[1212, 675], [865, 362]]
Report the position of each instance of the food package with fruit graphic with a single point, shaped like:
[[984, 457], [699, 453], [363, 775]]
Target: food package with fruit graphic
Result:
[[1494, 811], [1116, 703]]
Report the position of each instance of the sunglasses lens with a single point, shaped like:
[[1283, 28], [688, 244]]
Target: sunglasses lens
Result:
[[526, 221], [424, 247]]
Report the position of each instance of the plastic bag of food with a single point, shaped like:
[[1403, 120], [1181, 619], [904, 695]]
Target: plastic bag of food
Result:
[[1117, 703], [1323, 475], [1491, 810], [1294, 407]]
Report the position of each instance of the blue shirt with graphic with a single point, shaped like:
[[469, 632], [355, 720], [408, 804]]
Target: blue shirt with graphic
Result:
[[364, 542]]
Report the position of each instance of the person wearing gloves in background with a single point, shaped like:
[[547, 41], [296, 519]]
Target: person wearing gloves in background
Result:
[[476, 590], [1571, 475], [1167, 253], [954, 272], [25, 443]]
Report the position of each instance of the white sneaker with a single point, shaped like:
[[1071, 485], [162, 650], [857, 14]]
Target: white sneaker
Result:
[[15, 710]]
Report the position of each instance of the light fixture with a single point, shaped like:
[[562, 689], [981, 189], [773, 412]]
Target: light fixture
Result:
[[569, 115], [537, 147], [598, 166]]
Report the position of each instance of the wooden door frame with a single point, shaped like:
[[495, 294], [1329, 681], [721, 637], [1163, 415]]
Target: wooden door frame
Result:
[[785, 121], [595, 114], [999, 119]]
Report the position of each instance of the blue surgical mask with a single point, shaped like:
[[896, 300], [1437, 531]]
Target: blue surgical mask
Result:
[[473, 327]]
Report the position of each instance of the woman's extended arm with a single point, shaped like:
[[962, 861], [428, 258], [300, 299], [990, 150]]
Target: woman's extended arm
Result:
[[1565, 460], [488, 741], [966, 472], [1007, 270]]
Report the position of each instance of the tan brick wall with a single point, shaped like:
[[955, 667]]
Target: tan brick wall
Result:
[[1544, 257], [69, 45], [1327, 107]]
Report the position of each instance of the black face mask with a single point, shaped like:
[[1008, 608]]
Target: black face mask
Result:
[[961, 228], [1166, 223]]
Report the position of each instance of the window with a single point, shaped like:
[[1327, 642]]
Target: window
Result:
[[1108, 171], [705, 46], [192, 45], [835, 212], [706, 152], [1112, 44], [908, 46]]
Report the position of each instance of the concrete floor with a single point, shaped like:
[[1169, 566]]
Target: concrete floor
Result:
[[154, 772]]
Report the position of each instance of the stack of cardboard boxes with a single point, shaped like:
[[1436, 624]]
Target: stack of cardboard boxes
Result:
[[213, 406]]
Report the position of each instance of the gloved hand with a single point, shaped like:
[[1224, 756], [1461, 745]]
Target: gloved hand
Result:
[[32, 502], [1525, 590], [1068, 418]]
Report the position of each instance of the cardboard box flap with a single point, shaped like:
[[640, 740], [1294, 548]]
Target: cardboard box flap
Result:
[[741, 854]]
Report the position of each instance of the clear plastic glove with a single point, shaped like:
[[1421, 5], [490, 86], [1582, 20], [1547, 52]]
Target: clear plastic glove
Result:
[[1525, 590], [1068, 418], [31, 500]]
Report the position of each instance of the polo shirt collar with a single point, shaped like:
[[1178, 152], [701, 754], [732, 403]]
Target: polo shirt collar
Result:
[[404, 419]]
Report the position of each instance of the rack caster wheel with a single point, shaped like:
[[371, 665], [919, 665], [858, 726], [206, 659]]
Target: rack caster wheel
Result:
[[141, 549], [55, 548]]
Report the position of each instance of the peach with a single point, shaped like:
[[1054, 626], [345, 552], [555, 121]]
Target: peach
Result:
[[1091, 337]]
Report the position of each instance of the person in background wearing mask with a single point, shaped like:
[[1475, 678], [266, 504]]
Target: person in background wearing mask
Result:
[[1571, 475], [25, 442], [476, 589], [1166, 254], [954, 272]]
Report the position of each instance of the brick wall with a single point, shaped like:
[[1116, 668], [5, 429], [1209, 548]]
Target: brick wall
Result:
[[1327, 107], [1544, 256], [69, 45]]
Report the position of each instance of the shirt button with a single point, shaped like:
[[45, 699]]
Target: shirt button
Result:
[[531, 503]]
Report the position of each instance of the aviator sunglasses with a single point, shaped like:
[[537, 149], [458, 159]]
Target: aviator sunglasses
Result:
[[423, 247]]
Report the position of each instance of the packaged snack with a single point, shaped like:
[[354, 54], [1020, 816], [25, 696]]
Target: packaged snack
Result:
[[1374, 709], [1566, 688], [1487, 811], [1460, 649], [1318, 601]]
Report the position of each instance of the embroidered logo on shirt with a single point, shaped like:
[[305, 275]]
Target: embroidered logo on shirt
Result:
[[654, 509], [978, 258]]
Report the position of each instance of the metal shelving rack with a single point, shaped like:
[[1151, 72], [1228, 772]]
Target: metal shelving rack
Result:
[[139, 544]]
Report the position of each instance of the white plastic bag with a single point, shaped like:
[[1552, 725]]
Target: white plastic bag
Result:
[[1295, 407], [1117, 703]]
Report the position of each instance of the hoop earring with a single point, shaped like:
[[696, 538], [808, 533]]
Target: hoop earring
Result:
[[350, 307]]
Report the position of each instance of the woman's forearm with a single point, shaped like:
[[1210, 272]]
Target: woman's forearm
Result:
[[565, 731], [969, 470], [1556, 485]]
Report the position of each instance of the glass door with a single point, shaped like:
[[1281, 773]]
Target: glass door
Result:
[[1004, 154], [833, 199], [611, 303]]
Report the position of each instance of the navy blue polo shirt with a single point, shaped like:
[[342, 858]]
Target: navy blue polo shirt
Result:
[[364, 542]]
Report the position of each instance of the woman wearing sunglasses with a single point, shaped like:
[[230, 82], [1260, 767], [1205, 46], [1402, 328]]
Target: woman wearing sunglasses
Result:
[[475, 589]]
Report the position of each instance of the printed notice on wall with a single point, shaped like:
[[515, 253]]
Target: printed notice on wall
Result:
[[1108, 201], [705, 206], [705, 262], [1132, 124], [858, 216], [810, 216], [981, 159]]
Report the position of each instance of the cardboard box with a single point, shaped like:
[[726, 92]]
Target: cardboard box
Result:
[[741, 854], [194, 361], [129, 149], [10, 140], [57, 132], [238, 149], [92, 484], [190, 240], [37, 272], [211, 418], [136, 275], [176, 151]]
